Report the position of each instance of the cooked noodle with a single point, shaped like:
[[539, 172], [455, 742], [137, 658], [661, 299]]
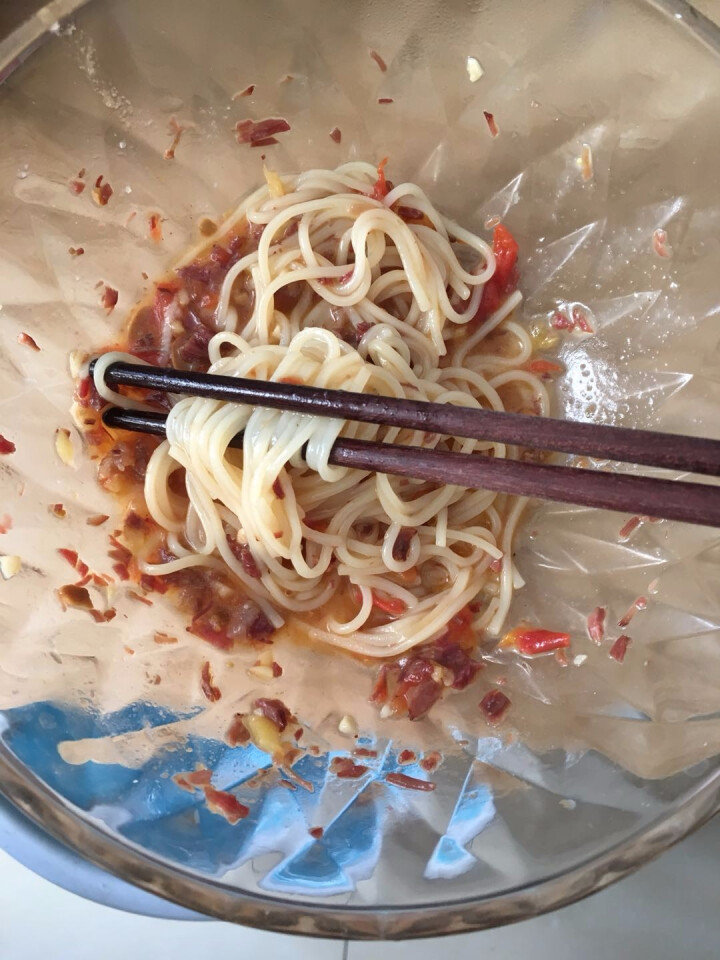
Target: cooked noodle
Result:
[[313, 532]]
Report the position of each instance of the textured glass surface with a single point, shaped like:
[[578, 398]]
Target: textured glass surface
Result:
[[609, 131]]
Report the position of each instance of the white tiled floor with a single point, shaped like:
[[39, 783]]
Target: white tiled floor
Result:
[[669, 910]]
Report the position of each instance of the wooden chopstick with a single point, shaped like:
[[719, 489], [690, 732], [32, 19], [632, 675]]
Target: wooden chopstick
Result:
[[646, 496], [666, 450]]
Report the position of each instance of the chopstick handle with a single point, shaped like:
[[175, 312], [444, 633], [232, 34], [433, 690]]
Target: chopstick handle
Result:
[[647, 447], [667, 499]]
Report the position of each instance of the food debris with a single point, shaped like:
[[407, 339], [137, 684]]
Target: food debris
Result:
[[316, 832], [596, 624], [379, 61], [494, 705], [101, 192], [247, 92], [474, 69], [385, 100], [345, 768], [225, 804], [57, 510], [491, 123], [260, 133], [176, 130], [237, 733], [76, 186], [63, 446], [109, 298], [572, 317], [348, 726], [208, 688], [6, 446], [660, 243], [431, 761], [585, 162], [406, 757], [155, 226], [639, 604], [76, 251], [163, 638], [9, 566], [619, 648], [409, 783], [336, 134], [97, 520], [277, 189], [27, 341]]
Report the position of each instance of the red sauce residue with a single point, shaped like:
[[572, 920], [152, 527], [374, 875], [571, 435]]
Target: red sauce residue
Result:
[[619, 648], [336, 134], [101, 192], [316, 832], [27, 341], [155, 226], [491, 123], [206, 684], [596, 624], [225, 804], [431, 761], [277, 670], [346, 769], [134, 595], [58, 510], [260, 133], [639, 604], [237, 733], [378, 60], [494, 705], [6, 446], [409, 783]]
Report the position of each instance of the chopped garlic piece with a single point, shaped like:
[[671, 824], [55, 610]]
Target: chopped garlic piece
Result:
[[261, 672], [264, 734], [275, 184], [9, 566], [77, 361], [580, 659], [474, 69], [63, 446], [348, 726]]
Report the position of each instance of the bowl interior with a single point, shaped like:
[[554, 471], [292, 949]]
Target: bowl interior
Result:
[[608, 762]]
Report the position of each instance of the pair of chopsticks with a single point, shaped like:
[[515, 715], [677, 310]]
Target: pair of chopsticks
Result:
[[628, 493]]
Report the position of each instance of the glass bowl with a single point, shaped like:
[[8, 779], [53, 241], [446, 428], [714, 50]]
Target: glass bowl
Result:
[[605, 168]]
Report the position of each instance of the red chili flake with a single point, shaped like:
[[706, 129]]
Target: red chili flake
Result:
[[58, 510], [180, 781], [639, 604], [336, 134], [176, 130], [206, 684], [27, 341], [109, 298], [659, 242], [619, 648], [164, 638], [5, 523], [237, 733], [401, 547], [277, 489], [431, 761], [76, 186], [275, 711], [316, 832], [6, 446], [110, 614], [580, 320], [364, 752], [586, 162], [385, 100], [70, 595], [494, 704], [101, 192], [393, 606], [97, 519], [277, 670], [243, 553], [247, 92], [121, 571], [260, 133], [596, 624], [298, 733], [407, 756], [409, 783], [76, 251], [346, 769], [379, 60], [134, 595], [155, 225], [561, 322], [627, 528], [534, 641], [226, 804], [491, 123], [543, 368]]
